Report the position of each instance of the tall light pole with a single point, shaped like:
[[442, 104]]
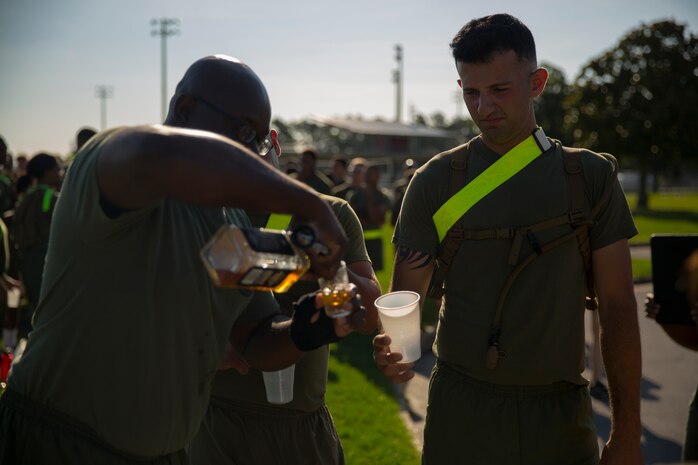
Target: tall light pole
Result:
[[103, 93], [397, 79], [164, 27]]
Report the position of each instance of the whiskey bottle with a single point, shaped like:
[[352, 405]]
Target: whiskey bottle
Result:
[[257, 258]]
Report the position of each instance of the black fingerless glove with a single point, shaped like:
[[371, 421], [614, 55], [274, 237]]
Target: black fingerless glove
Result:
[[309, 336]]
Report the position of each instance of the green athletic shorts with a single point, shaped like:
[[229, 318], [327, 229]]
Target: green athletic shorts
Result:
[[31, 433], [234, 433], [472, 422]]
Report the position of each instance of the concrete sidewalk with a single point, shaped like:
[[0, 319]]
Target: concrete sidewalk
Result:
[[670, 375]]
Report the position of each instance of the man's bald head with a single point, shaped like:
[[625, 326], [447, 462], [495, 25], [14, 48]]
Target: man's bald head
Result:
[[225, 82]]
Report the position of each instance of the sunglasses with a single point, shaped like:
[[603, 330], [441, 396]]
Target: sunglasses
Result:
[[243, 132]]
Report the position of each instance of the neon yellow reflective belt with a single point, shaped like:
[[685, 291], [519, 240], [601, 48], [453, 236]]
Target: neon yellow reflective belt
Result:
[[373, 234], [278, 221], [497, 174]]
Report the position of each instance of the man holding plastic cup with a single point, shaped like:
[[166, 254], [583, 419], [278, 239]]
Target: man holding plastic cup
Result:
[[500, 216], [259, 418]]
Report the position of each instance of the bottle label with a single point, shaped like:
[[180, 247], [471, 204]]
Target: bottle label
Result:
[[268, 242], [267, 277]]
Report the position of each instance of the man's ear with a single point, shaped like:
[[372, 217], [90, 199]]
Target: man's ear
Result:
[[537, 80], [460, 83], [183, 107]]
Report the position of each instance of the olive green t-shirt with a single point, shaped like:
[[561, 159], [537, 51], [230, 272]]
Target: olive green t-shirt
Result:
[[130, 329], [543, 316], [319, 182], [359, 200], [310, 379]]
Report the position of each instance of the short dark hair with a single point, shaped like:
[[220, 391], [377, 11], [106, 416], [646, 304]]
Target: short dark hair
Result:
[[482, 37], [83, 135], [40, 164], [309, 152], [342, 160]]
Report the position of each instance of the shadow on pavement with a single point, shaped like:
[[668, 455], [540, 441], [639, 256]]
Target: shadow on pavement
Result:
[[649, 389], [655, 449]]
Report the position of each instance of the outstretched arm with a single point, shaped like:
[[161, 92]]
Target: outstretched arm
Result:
[[620, 345], [140, 166], [412, 272], [270, 344]]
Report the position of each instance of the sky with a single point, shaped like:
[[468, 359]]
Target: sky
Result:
[[329, 57]]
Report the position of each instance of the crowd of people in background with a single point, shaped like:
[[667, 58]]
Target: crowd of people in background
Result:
[[29, 188]]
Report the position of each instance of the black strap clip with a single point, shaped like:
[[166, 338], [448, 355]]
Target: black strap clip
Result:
[[533, 240]]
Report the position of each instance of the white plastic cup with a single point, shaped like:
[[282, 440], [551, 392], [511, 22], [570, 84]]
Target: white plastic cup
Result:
[[279, 385], [399, 315]]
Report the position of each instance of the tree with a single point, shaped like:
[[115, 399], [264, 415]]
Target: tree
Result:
[[438, 119], [640, 99], [552, 106]]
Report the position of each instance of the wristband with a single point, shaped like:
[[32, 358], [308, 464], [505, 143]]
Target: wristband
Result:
[[306, 335]]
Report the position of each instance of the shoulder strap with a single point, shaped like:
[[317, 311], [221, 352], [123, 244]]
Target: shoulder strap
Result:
[[451, 243], [575, 190]]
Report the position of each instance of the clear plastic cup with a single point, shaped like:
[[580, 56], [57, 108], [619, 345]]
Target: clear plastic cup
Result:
[[399, 315], [279, 385]]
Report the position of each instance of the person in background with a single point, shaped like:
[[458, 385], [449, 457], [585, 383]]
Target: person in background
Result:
[[130, 329], [400, 187], [340, 169], [7, 198], [84, 134], [240, 425], [685, 336], [309, 174], [508, 386], [357, 171], [10, 292], [371, 204], [31, 227], [21, 166]]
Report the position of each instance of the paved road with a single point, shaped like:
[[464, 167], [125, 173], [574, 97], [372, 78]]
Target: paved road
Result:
[[670, 374], [640, 251]]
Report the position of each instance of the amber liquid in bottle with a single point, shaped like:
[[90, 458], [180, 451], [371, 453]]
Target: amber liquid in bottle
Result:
[[252, 258]]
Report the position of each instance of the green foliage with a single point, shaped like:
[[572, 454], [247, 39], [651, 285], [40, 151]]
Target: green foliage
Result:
[[553, 105], [639, 99]]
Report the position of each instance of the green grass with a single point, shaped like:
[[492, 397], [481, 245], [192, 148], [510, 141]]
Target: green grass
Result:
[[363, 408], [667, 213], [642, 268]]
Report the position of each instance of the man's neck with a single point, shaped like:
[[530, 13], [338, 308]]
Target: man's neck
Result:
[[504, 146]]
